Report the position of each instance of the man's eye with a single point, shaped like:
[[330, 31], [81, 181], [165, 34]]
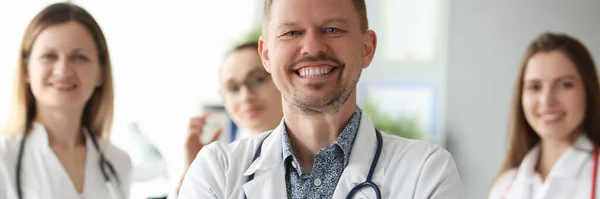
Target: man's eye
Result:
[[291, 33], [333, 30]]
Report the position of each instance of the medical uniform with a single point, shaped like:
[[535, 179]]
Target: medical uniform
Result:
[[43, 175], [406, 169], [571, 176], [240, 134], [5, 187]]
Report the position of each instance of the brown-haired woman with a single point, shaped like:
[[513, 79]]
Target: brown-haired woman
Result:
[[250, 97], [555, 133], [56, 144]]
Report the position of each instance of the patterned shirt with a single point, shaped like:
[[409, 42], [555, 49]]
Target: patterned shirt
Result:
[[328, 165]]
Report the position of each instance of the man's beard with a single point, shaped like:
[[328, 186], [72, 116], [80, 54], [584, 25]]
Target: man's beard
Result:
[[332, 103]]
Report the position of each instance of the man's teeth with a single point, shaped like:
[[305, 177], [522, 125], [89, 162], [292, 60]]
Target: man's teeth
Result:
[[313, 72]]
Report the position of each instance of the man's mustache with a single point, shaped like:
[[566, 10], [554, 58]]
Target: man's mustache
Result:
[[319, 57]]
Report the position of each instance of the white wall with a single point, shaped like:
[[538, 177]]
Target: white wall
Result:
[[486, 41]]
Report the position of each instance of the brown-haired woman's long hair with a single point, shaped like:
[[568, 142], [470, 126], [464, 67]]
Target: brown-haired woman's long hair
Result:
[[522, 135], [98, 112]]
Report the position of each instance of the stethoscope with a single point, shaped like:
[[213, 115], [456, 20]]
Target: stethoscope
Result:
[[366, 183], [103, 162], [594, 176]]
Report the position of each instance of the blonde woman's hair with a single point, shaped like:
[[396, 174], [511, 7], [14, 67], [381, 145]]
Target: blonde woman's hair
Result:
[[98, 112]]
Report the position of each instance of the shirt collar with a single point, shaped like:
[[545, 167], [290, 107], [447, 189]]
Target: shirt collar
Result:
[[345, 140]]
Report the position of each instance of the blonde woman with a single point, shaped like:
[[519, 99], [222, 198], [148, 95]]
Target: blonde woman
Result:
[[55, 145]]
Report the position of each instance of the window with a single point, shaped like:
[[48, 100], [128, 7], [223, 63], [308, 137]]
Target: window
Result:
[[407, 70]]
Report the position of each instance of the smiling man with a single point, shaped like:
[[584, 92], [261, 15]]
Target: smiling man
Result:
[[324, 147]]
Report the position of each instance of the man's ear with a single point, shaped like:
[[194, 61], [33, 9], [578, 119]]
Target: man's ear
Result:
[[263, 51], [369, 46]]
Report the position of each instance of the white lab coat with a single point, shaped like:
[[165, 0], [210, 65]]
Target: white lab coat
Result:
[[43, 176], [5, 187], [241, 134], [571, 176], [406, 169]]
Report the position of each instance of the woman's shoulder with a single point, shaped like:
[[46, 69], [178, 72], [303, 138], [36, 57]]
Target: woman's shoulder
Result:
[[119, 158], [9, 146], [116, 154], [9, 152]]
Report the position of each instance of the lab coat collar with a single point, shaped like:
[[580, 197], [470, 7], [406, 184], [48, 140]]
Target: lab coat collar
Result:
[[269, 171], [583, 144], [268, 168], [563, 174], [572, 161], [271, 152], [38, 140], [39, 136], [361, 157]]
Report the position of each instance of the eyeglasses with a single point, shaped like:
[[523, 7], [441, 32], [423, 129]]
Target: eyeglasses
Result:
[[254, 83]]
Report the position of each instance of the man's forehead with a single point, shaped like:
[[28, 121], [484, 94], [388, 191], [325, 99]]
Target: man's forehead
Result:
[[295, 12], [320, 21]]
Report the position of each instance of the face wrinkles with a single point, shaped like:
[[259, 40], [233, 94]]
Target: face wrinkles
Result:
[[315, 52]]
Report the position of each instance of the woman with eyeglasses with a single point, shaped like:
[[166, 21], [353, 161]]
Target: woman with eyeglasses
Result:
[[250, 97]]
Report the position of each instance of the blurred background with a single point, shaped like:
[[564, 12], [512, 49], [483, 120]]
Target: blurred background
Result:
[[443, 71]]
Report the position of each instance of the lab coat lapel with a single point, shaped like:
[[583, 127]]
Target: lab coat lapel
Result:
[[92, 160], [563, 177], [361, 157], [520, 187], [54, 172], [41, 163], [559, 188], [268, 169]]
